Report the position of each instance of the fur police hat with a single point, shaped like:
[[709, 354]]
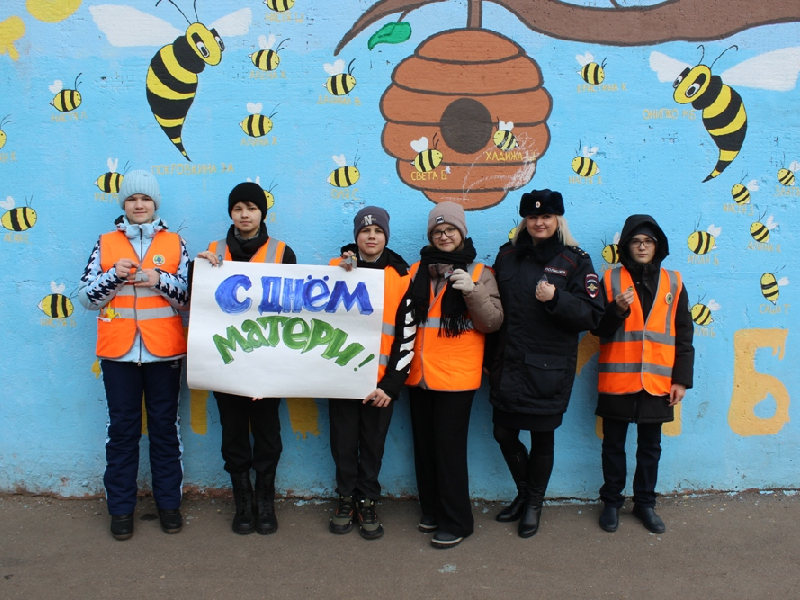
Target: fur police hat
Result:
[[541, 202]]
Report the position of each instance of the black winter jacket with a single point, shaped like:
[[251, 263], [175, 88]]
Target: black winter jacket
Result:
[[643, 407], [532, 357]]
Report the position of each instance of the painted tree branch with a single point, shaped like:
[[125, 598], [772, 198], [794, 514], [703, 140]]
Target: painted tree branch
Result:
[[674, 20]]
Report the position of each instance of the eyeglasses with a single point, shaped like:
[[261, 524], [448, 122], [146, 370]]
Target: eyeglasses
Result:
[[636, 243], [440, 233]]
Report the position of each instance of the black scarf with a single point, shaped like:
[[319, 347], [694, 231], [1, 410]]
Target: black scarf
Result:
[[454, 308], [243, 250]]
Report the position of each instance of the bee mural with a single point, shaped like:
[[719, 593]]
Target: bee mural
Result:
[[344, 176], [256, 125], [513, 231], [267, 59], [65, 100], [56, 305], [3, 136], [267, 193], [110, 182], [701, 313], [760, 231], [339, 83], [741, 192], [279, 5], [770, 286], [610, 251], [584, 165], [591, 72], [787, 176], [17, 219], [703, 242], [426, 159], [503, 138], [172, 80]]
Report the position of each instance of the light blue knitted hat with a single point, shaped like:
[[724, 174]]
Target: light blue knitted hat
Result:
[[139, 182]]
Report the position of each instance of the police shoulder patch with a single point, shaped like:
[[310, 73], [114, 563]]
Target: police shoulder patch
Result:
[[580, 251], [592, 284]]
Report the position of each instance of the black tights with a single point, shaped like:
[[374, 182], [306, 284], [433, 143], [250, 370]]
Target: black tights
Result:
[[542, 442]]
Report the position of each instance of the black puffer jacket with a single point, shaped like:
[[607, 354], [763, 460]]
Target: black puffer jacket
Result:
[[532, 357], [643, 407]]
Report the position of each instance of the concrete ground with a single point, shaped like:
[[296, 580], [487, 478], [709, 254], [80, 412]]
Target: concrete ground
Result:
[[718, 546]]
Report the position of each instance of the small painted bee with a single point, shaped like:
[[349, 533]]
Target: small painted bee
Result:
[[344, 176], [703, 242], [279, 5], [110, 182], [610, 252], [787, 176], [741, 192], [760, 231], [591, 72], [267, 59], [267, 193], [339, 83], [584, 165], [256, 125], [65, 100], [770, 285], [3, 136], [426, 160], [17, 219], [503, 138], [701, 313], [56, 305]]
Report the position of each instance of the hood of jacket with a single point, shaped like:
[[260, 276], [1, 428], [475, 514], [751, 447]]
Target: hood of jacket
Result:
[[633, 223]]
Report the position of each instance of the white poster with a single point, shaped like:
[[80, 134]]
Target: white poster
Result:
[[285, 331]]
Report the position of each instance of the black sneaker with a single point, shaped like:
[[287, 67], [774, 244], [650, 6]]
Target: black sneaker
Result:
[[369, 526], [441, 539], [342, 520], [171, 520], [427, 524], [122, 527]]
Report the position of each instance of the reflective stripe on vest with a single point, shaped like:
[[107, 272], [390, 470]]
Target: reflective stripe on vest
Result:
[[140, 309], [639, 356], [446, 363], [271, 252], [394, 289]]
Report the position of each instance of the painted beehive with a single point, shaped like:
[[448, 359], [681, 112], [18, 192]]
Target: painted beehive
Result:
[[457, 87]]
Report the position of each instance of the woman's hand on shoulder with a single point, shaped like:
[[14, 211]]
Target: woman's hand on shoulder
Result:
[[210, 257]]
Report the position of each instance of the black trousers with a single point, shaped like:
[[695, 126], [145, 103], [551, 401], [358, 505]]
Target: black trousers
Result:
[[358, 436], [161, 383], [239, 415], [648, 453], [440, 424]]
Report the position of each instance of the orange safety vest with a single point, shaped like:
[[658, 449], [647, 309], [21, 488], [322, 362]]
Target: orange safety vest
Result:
[[449, 364], [271, 252], [141, 309], [640, 356], [394, 289]]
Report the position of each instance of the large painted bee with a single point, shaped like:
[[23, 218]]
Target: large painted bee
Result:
[[426, 159], [267, 59], [56, 305], [344, 175], [339, 83], [723, 111], [3, 136], [17, 219], [65, 100], [591, 72], [172, 75]]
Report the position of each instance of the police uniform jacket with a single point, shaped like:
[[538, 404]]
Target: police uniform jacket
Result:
[[532, 358], [642, 407]]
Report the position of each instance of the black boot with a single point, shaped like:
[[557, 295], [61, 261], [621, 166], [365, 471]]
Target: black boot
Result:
[[266, 522], [539, 470], [518, 465], [244, 521]]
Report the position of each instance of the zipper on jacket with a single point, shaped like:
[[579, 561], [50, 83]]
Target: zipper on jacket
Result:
[[136, 301]]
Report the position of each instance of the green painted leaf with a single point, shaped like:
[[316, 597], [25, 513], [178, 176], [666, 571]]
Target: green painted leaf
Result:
[[391, 33]]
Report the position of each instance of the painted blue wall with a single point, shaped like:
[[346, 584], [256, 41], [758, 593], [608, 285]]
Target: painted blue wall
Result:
[[652, 153]]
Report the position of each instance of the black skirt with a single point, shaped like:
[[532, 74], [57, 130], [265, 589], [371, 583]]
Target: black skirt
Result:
[[526, 421]]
